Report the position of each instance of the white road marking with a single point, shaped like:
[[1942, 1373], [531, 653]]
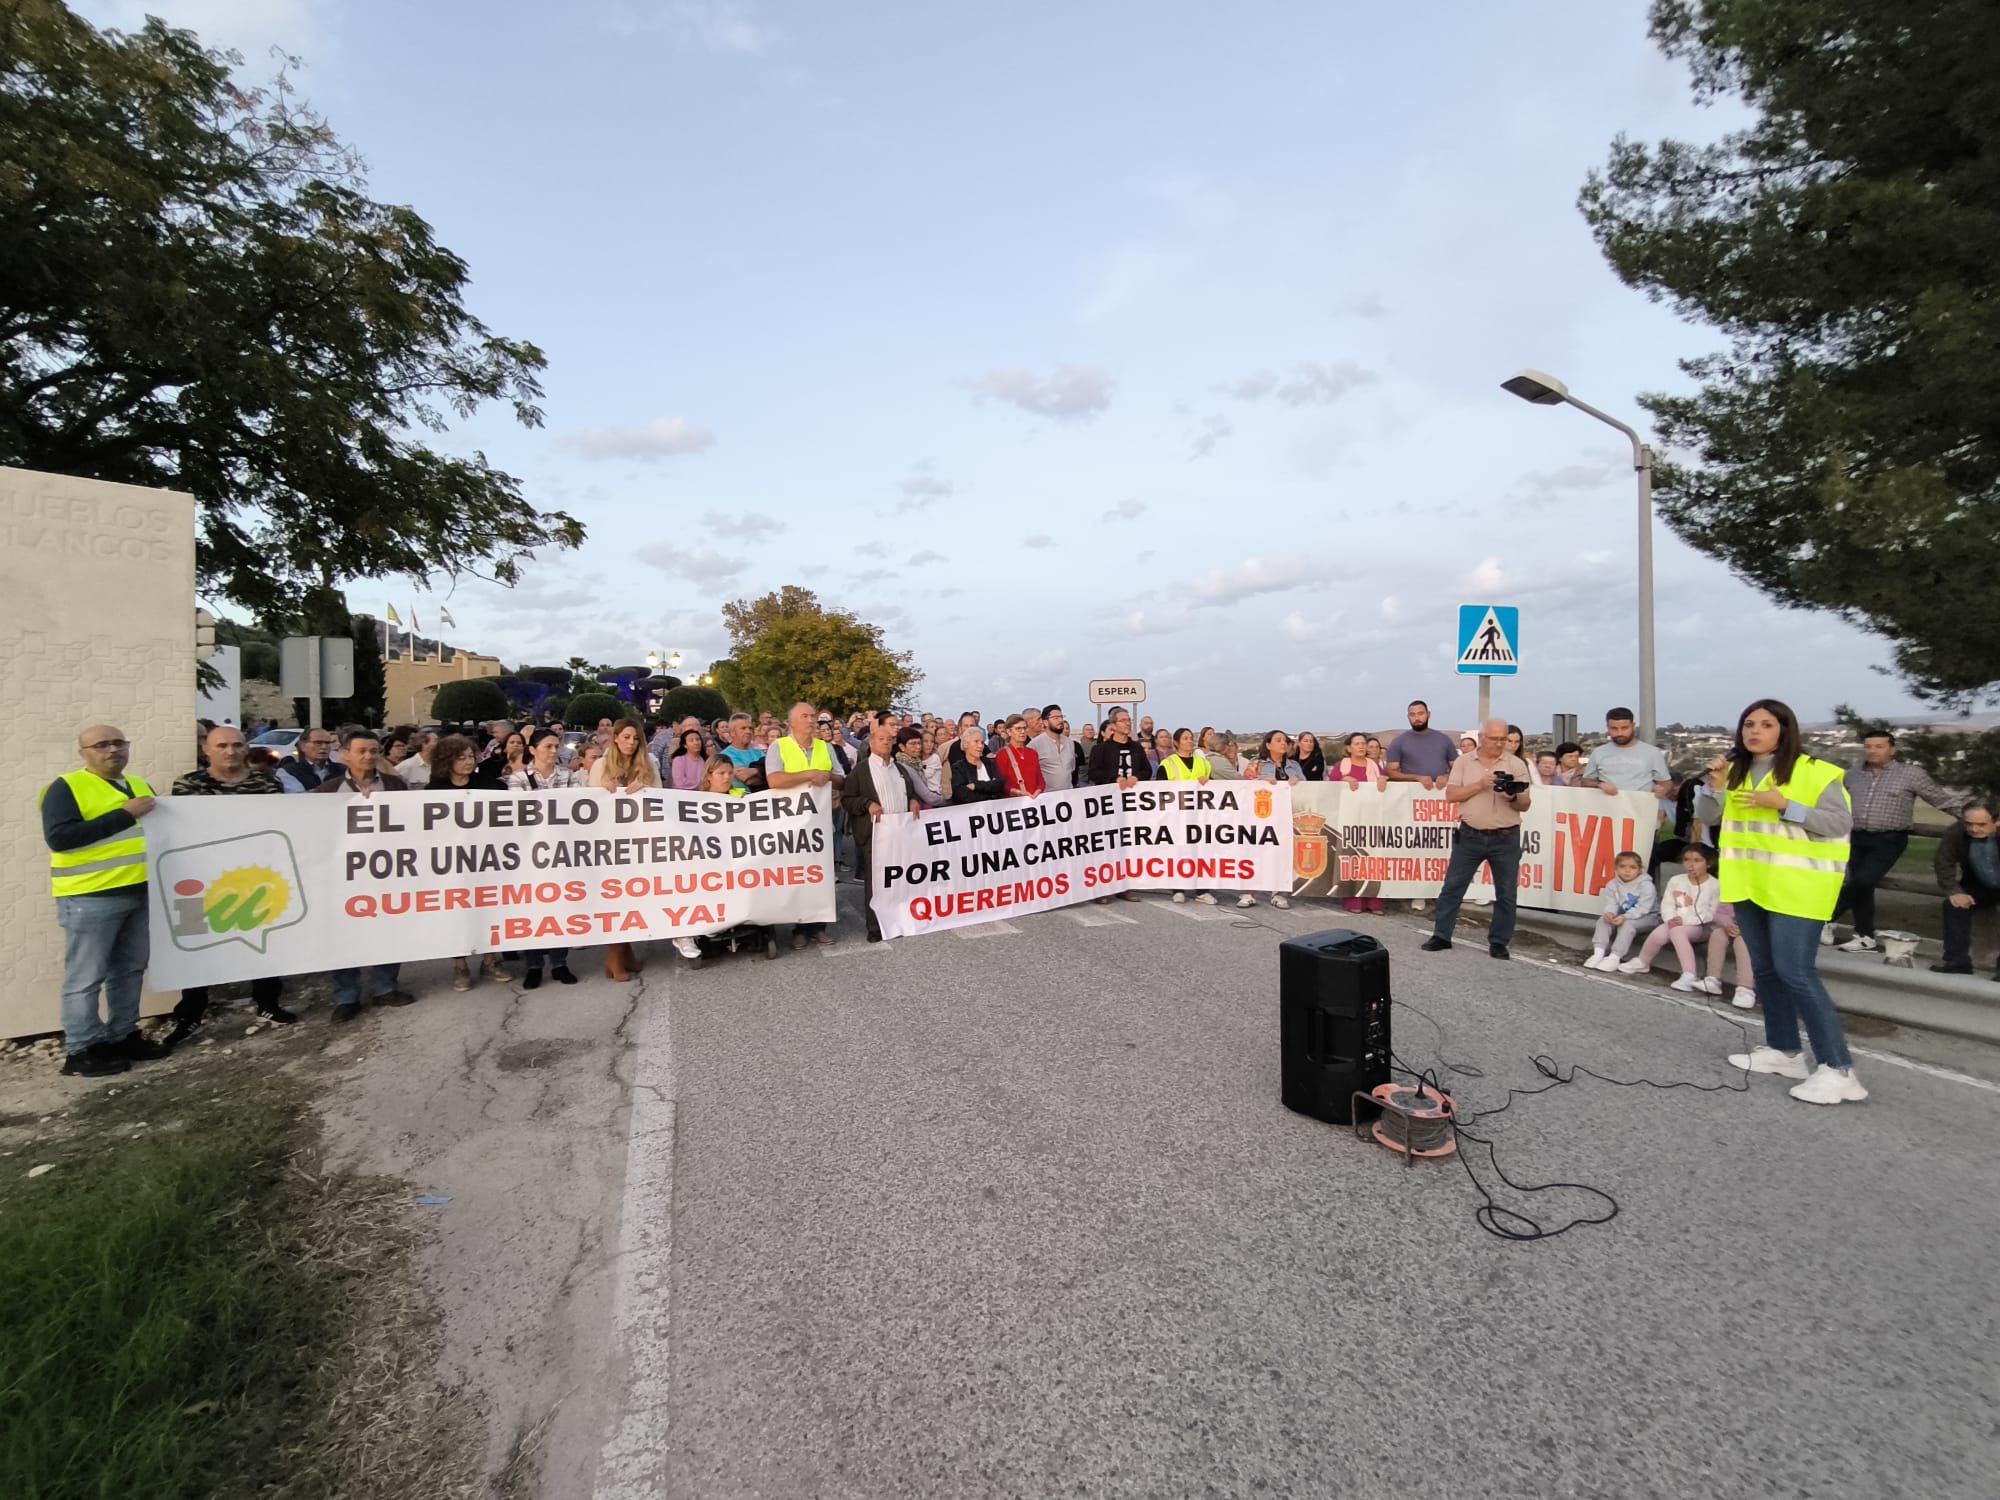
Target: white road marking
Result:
[[1194, 911], [632, 1463], [1745, 1018], [1101, 918], [1001, 928]]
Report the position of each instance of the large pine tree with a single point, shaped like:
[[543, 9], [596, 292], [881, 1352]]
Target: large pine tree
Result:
[[1843, 453]]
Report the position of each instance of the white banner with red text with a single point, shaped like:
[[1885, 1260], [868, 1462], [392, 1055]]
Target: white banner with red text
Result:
[[1395, 842], [248, 886], [954, 866]]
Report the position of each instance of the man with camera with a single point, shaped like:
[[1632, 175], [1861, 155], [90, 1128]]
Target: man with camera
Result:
[[1491, 789]]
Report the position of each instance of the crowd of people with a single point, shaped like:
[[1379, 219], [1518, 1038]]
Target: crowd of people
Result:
[[1797, 840]]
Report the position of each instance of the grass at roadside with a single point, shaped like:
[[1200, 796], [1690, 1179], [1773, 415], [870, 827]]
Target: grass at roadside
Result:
[[187, 1305]]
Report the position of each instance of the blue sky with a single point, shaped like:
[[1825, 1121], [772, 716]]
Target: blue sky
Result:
[[1157, 340]]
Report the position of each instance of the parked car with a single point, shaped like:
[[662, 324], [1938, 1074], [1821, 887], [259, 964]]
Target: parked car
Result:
[[284, 741]]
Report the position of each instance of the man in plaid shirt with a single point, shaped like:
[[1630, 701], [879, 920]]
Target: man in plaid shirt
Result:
[[1884, 792]]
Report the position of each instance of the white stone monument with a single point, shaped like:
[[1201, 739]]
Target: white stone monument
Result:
[[97, 619]]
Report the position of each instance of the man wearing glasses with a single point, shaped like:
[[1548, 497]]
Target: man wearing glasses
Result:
[[97, 871], [310, 768]]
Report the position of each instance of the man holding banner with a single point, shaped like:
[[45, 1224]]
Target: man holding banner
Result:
[[880, 784], [1492, 790]]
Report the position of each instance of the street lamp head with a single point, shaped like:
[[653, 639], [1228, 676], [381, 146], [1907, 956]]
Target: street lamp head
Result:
[[1533, 385], [674, 660], [652, 658]]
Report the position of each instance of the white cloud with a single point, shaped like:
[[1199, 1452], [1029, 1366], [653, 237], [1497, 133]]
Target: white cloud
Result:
[[1486, 577], [748, 523], [1039, 540], [1128, 509], [873, 549], [1142, 622], [814, 570], [1367, 305], [922, 488], [872, 575], [695, 564], [727, 27], [1213, 430], [1565, 484], [1252, 576], [919, 559], [1308, 384], [1071, 393], [1296, 627], [663, 437], [1392, 608]]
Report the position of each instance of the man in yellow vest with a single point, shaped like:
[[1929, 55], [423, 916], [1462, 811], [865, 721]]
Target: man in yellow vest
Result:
[[801, 759], [97, 870]]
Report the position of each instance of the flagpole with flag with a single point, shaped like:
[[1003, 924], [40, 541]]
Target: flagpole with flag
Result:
[[415, 652], [390, 610], [445, 616]]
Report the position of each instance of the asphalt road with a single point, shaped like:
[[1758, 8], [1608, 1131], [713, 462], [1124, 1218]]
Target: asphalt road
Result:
[[1016, 1211]]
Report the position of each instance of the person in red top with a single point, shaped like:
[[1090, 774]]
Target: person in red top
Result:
[[1020, 768]]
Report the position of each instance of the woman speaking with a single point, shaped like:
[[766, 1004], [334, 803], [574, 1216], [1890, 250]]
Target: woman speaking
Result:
[[1783, 818]]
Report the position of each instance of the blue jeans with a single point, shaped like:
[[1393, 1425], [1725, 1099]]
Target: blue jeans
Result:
[[105, 943], [1784, 957], [347, 983], [1499, 849]]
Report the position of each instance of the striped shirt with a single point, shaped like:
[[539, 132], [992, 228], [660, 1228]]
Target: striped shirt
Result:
[[1884, 800], [204, 783]]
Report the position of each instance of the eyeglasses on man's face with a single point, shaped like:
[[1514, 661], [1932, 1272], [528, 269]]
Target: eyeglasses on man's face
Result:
[[108, 745]]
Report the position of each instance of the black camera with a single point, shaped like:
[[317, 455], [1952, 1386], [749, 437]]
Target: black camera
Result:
[[1505, 785]]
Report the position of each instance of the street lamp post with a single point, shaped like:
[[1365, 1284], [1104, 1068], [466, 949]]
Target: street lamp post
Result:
[[1546, 390]]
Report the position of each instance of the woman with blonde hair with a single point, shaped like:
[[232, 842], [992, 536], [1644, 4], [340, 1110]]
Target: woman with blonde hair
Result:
[[628, 766]]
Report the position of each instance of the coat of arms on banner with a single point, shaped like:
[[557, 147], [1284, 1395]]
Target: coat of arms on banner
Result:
[[238, 890], [1310, 846], [1261, 804]]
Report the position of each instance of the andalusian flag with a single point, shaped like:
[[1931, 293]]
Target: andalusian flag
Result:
[[414, 626], [393, 620], [445, 615]]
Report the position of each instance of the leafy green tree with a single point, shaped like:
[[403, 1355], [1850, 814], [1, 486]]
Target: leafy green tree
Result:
[[555, 710], [199, 295], [1842, 453], [470, 700], [556, 679], [585, 709], [829, 658], [705, 703]]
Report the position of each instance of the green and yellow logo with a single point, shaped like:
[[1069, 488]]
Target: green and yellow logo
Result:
[[226, 892]]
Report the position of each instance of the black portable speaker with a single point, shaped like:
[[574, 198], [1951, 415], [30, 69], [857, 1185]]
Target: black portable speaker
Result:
[[1333, 1008]]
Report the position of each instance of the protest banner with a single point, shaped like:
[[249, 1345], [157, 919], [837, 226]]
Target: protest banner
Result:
[[1395, 842], [248, 886], [954, 866]]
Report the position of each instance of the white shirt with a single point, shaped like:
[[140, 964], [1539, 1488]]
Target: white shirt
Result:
[[890, 789]]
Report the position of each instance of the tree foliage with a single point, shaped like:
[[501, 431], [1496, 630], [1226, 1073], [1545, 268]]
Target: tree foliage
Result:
[[585, 709], [789, 647], [200, 295], [1843, 453], [470, 700], [705, 703]]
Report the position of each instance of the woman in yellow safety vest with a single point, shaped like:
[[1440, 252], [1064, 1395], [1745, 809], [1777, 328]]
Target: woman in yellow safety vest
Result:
[[1186, 763], [1783, 818]]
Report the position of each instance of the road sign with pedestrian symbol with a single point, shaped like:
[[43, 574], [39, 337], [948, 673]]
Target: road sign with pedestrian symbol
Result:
[[1489, 640]]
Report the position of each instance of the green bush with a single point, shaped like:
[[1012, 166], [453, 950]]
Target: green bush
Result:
[[585, 709], [705, 703], [556, 709], [472, 699]]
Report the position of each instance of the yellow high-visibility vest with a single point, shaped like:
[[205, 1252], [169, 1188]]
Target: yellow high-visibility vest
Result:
[[1179, 770], [119, 860], [794, 759], [1778, 864]]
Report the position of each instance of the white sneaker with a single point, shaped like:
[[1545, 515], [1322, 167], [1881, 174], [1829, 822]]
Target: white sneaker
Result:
[[1632, 966], [687, 947], [1770, 1060], [1596, 960], [1743, 999], [1417, 906], [1687, 984], [1830, 1086], [1283, 903], [1826, 936], [1206, 898], [1709, 986], [1180, 898], [1860, 943], [1246, 899]]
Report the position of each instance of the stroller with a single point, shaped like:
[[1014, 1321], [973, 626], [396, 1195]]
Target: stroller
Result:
[[749, 935]]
